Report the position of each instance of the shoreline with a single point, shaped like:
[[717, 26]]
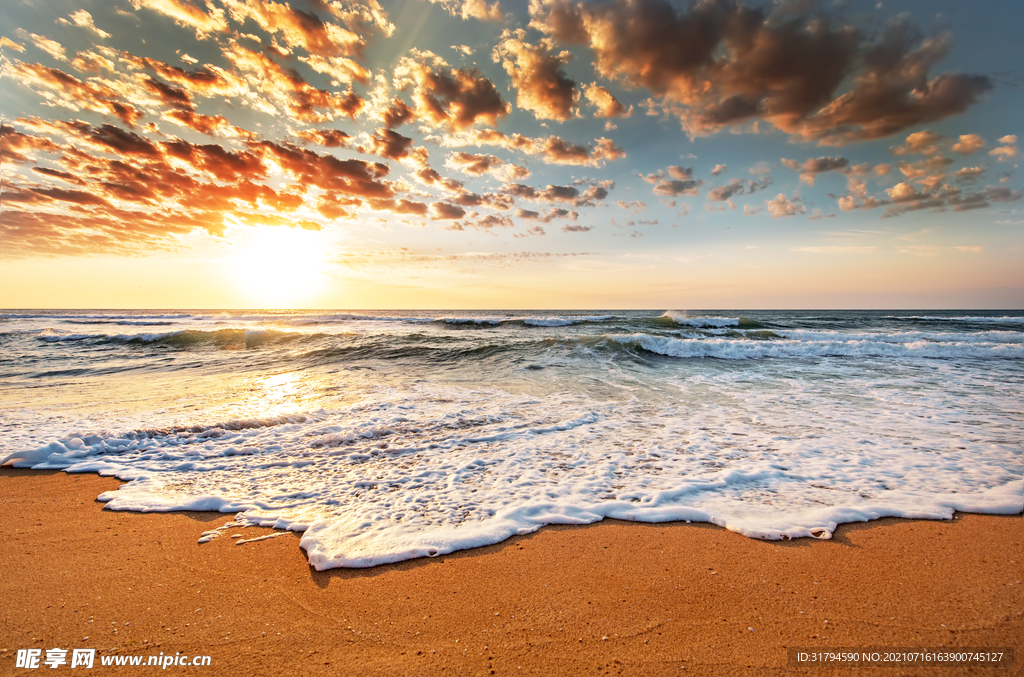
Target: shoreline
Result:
[[618, 597]]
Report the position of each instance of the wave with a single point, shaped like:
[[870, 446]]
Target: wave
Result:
[[902, 337], [183, 338], [100, 318], [674, 317], [341, 318], [563, 321], [730, 349], [74, 448], [126, 323], [978, 319]]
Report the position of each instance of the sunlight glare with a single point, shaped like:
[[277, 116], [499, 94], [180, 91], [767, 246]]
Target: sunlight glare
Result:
[[278, 267]]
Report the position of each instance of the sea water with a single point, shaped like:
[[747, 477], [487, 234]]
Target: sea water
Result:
[[385, 436]]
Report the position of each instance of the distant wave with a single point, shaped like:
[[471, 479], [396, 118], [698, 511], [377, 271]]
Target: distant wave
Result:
[[182, 338], [731, 349], [1005, 319], [126, 323], [99, 318], [903, 337], [673, 317], [562, 321]]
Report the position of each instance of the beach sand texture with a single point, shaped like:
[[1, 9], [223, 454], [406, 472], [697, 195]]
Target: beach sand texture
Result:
[[607, 598]]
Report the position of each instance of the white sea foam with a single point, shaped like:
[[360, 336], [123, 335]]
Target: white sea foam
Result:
[[426, 470]]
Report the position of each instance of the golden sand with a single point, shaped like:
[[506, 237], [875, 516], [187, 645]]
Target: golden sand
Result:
[[608, 598]]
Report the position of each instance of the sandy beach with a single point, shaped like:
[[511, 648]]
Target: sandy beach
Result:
[[608, 598]]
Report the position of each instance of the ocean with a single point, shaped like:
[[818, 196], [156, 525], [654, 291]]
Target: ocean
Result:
[[390, 435]]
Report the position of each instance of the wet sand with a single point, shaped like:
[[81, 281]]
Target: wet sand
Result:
[[608, 598]]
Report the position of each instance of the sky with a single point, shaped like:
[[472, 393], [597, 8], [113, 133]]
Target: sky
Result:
[[550, 154]]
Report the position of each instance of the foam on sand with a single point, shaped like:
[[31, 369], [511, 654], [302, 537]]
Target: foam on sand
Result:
[[427, 471]]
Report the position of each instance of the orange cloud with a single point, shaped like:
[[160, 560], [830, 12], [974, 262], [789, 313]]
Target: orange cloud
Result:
[[189, 15], [607, 105], [551, 150], [472, 9], [542, 87], [919, 143], [475, 165], [289, 90], [814, 166], [456, 98], [68, 91], [968, 143]]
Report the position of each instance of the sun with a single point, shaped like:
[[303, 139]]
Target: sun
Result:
[[278, 267]]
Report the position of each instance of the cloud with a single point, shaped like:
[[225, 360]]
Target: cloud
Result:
[[570, 194], [724, 193], [400, 206], [904, 192], [676, 172], [70, 92], [968, 144], [984, 198], [10, 44], [607, 105], [397, 114], [352, 177], [814, 166], [551, 150], [189, 15], [573, 228], [680, 181], [475, 165], [722, 64], [718, 170], [210, 125], [781, 206], [455, 98], [1008, 150], [510, 173], [83, 19], [298, 29], [330, 138], [636, 205], [919, 143], [542, 87], [498, 201], [443, 210], [432, 178], [472, 9], [341, 68], [392, 145], [131, 193], [968, 174], [15, 146], [548, 216], [288, 90], [206, 82], [51, 47]]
